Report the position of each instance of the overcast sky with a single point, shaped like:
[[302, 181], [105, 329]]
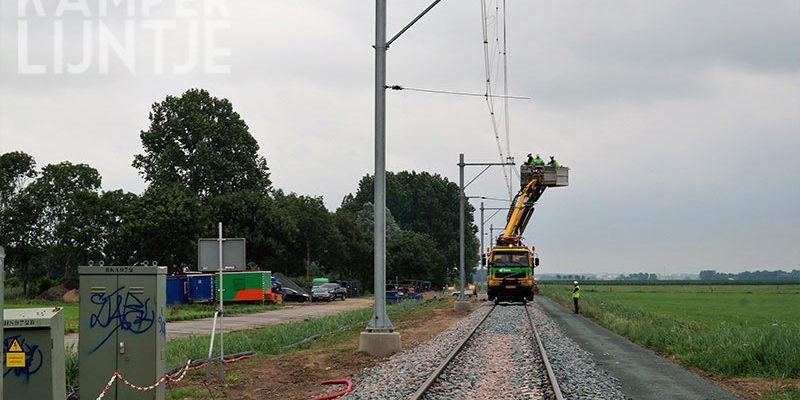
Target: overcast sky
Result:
[[680, 120]]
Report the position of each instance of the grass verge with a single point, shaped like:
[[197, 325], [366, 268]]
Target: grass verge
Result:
[[734, 348], [273, 339]]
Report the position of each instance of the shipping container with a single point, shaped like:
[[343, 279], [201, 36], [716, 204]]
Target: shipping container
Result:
[[201, 288], [245, 286], [177, 290]]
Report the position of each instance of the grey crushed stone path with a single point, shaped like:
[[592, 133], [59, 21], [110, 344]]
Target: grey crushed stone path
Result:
[[642, 373], [290, 312]]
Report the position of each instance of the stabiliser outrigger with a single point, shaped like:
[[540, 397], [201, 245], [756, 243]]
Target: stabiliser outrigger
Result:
[[511, 263]]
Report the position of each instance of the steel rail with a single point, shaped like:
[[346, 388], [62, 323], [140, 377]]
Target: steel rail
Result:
[[435, 375], [550, 375]]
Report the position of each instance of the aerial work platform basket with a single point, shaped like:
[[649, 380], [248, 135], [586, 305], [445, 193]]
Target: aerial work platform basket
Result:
[[551, 176]]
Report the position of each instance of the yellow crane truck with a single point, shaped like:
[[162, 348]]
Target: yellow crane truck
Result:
[[510, 262]]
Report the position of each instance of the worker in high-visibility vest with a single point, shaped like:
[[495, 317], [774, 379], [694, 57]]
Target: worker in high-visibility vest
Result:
[[553, 162], [576, 294]]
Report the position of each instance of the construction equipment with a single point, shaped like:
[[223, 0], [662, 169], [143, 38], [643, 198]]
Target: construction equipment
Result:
[[510, 262]]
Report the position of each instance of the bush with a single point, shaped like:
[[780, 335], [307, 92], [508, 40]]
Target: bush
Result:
[[43, 284]]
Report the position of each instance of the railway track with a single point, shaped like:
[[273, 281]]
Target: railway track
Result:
[[495, 351]]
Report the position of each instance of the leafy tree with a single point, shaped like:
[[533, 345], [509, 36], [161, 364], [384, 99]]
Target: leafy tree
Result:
[[424, 203], [415, 255], [164, 225], [199, 142], [366, 222], [354, 258], [23, 237], [117, 212], [317, 234], [269, 232], [66, 198], [16, 169]]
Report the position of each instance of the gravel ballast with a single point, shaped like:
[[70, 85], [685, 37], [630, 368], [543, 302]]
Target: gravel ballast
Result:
[[577, 373], [402, 374], [500, 362]]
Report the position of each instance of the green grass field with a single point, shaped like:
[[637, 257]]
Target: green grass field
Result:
[[734, 330], [174, 313]]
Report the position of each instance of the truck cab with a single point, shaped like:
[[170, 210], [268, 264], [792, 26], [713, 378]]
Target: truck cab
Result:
[[510, 274]]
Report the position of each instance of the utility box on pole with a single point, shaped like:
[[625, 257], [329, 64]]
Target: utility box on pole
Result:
[[33, 346], [123, 327]]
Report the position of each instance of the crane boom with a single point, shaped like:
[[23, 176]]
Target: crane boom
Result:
[[535, 181], [510, 262]]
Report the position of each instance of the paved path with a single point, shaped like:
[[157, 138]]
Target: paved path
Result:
[[643, 373], [288, 313]]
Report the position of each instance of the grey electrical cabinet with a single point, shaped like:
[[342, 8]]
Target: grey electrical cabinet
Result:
[[33, 343], [122, 327]]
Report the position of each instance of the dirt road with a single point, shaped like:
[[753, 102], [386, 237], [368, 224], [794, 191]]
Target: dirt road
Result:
[[289, 313]]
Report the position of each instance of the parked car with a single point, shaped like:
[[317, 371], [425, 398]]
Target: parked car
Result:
[[467, 293], [328, 292], [290, 294]]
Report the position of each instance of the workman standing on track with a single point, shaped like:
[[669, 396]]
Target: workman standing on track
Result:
[[576, 294]]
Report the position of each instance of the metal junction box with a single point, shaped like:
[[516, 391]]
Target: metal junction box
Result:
[[122, 327], [33, 360]]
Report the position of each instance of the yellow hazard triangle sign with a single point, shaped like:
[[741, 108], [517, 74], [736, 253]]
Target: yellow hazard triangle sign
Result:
[[15, 346], [15, 357]]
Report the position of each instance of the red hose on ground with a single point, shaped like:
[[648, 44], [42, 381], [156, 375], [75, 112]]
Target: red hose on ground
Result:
[[336, 395]]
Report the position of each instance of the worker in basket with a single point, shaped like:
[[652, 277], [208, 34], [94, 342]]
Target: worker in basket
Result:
[[537, 161], [553, 162], [529, 161]]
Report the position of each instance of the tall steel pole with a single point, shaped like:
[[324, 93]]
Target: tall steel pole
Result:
[[482, 248], [462, 277], [380, 321], [221, 311]]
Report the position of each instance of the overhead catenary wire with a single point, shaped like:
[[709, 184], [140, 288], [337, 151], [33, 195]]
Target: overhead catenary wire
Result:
[[439, 91], [507, 119], [489, 94]]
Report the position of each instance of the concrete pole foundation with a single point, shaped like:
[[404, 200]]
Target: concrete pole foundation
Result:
[[461, 306], [379, 344]]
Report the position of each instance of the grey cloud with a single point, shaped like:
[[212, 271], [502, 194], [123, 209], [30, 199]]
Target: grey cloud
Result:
[[679, 118]]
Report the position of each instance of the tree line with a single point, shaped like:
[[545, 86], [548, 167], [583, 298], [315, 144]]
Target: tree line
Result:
[[752, 276], [202, 166]]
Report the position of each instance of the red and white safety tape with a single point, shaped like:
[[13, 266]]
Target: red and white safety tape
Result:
[[177, 377]]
